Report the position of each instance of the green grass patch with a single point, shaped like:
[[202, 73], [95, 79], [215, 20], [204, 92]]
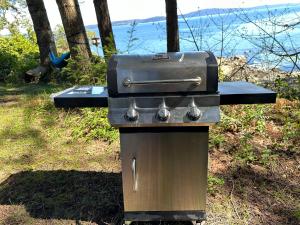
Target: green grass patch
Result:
[[36, 135]]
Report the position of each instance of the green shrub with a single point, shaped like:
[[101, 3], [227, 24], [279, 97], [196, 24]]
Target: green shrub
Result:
[[17, 55], [255, 113], [246, 154], [237, 118], [83, 71], [288, 89], [216, 139], [296, 213], [229, 123], [267, 157], [213, 183]]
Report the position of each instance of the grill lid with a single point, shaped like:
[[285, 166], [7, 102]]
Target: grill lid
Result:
[[190, 72]]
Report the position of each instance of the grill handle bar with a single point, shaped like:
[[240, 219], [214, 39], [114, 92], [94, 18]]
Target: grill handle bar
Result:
[[128, 82]]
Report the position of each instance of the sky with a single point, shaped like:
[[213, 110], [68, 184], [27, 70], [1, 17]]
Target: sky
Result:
[[141, 9]]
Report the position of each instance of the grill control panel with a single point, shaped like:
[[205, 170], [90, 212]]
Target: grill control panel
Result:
[[164, 111]]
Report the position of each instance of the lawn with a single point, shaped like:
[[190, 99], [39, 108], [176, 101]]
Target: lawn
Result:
[[63, 167]]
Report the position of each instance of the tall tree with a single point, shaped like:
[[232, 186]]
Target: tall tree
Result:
[[172, 26], [105, 28], [42, 29], [74, 28]]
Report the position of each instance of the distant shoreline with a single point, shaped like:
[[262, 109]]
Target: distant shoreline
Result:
[[201, 12]]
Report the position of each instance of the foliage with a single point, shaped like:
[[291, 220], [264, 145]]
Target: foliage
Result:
[[247, 122], [216, 139], [83, 71], [267, 157], [92, 124], [13, 15], [213, 183], [246, 116], [60, 39], [250, 120], [17, 55], [131, 37], [246, 153], [110, 49], [286, 89], [297, 214], [79, 70], [221, 75], [85, 124]]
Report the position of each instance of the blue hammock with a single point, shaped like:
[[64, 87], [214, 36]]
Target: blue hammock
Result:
[[59, 62]]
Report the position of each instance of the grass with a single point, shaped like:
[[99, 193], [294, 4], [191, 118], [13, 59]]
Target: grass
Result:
[[35, 135], [63, 167], [41, 156]]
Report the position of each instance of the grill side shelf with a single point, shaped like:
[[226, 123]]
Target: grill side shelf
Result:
[[231, 93], [240, 92], [83, 96]]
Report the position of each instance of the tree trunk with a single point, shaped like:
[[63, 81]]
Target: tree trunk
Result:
[[105, 28], [42, 30], [74, 28], [172, 26]]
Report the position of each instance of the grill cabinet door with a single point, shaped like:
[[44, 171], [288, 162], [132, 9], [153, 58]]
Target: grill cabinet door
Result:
[[164, 170]]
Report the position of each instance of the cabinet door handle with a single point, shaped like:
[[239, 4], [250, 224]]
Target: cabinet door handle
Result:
[[133, 168]]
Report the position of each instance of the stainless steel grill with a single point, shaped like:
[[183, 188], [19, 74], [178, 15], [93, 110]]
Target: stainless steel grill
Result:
[[174, 89], [163, 105]]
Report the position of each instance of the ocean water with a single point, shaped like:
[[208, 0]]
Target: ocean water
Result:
[[227, 34]]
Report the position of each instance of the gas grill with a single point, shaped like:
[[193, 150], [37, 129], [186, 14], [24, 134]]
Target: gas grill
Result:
[[163, 105]]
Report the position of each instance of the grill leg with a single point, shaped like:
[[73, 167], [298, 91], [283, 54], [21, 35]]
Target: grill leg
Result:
[[198, 222]]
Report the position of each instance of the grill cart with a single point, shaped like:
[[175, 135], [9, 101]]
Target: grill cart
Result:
[[163, 105]]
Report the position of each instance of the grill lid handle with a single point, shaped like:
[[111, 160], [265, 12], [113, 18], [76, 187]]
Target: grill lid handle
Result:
[[128, 82]]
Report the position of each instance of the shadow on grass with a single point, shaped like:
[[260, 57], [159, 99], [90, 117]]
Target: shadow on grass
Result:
[[70, 195], [28, 89], [74, 195], [273, 195]]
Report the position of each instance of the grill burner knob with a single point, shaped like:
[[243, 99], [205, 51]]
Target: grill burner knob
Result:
[[163, 113], [194, 112], [131, 114]]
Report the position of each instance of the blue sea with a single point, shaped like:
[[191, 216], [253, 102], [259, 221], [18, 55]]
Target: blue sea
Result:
[[227, 33]]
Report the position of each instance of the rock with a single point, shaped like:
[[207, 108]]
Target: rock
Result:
[[237, 68], [33, 75]]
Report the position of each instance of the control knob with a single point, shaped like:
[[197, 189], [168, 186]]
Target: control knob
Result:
[[163, 113], [194, 112], [131, 114]]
